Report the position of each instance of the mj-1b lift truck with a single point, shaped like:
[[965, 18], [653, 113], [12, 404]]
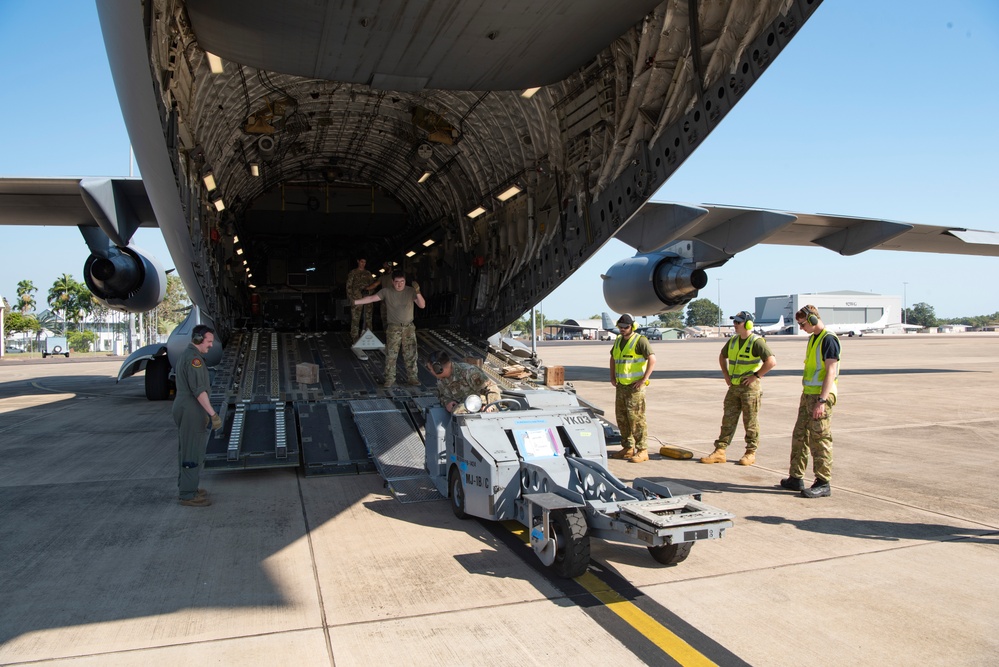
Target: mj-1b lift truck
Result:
[[543, 463]]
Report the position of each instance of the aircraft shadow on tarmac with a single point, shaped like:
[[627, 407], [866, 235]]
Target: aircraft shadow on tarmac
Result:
[[889, 531], [600, 373], [90, 527]]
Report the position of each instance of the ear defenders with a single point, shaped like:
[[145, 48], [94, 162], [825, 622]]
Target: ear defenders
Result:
[[436, 364], [749, 325], [813, 319], [198, 334]]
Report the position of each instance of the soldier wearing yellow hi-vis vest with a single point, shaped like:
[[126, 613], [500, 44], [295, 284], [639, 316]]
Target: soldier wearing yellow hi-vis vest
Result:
[[745, 359], [813, 430], [631, 364]]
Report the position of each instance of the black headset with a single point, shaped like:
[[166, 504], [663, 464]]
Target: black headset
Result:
[[437, 361], [198, 333], [813, 319]]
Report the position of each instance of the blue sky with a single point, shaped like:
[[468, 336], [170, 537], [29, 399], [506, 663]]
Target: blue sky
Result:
[[877, 109]]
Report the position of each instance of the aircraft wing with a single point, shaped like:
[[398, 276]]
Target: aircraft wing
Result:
[[729, 230], [62, 201], [677, 242], [107, 211]]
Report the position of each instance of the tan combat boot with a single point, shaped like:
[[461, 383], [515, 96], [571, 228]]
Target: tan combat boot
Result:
[[717, 456], [625, 453], [640, 456], [748, 459]]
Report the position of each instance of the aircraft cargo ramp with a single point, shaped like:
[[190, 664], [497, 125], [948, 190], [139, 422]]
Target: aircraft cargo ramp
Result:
[[340, 420]]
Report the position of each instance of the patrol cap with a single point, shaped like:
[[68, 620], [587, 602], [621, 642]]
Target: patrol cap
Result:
[[742, 316], [626, 319]]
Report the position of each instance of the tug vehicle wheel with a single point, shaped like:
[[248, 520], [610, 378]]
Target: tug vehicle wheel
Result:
[[572, 544], [671, 554], [457, 493]]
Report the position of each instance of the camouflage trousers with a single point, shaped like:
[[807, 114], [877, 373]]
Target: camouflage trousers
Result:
[[742, 400], [404, 336], [812, 435], [355, 320], [629, 408]]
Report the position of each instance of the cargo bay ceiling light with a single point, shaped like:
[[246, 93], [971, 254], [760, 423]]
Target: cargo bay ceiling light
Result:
[[411, 253], [428, 243], [529, 93], [219, 205], [511, 191], [426, 175], [254, 169], [476, 212], [214, 63], [209, 179]]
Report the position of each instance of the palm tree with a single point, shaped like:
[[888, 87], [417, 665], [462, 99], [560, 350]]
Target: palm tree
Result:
[[25, 296], [60, 296]]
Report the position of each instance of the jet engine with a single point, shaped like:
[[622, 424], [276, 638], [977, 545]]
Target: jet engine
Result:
[[125, 279], [647, 284]]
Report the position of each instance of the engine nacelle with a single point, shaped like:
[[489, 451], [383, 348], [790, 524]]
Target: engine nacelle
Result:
[[126, 279], [651, 284]]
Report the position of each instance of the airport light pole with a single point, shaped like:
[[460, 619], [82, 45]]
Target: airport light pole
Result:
[[905, 304]]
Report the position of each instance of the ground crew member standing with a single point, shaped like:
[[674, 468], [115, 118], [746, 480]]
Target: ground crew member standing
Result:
[[745, 359], [631, 364], [456, 381], [813, 430], [193, 412], [384, 281], [400, 332], [357, 281]]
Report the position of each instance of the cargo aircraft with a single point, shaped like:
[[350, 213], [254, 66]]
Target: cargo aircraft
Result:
[[486, 149]]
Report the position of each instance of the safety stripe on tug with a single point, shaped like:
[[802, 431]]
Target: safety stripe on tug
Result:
[[639, 622]]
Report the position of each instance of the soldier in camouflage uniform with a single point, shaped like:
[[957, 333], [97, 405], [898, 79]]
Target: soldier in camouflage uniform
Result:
[[193, 412], [456, 381], [357, 281], [400, 331], [745, 358], [384, 281], [631, 364]]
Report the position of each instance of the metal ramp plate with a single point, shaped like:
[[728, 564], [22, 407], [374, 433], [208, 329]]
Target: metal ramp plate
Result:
[[257, 435], [331, 444], [673, 512], [396, 448]]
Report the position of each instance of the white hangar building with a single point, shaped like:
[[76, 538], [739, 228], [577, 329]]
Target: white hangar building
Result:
[[836, 308]]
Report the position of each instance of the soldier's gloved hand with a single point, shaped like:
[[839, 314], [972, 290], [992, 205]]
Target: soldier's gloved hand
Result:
[[216, 422], [416, 286]]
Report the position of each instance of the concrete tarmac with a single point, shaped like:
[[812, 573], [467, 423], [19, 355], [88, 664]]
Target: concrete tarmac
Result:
[[99, 565]]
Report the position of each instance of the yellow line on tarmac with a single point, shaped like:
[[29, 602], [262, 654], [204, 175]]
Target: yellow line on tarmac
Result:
[[653, 630], [671, 644]]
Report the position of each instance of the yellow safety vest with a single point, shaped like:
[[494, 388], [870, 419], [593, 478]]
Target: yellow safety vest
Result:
[[741, 360], [815, 367], [628, 367]]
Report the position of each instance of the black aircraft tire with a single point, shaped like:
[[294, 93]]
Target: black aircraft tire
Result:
[[158, 379], [572, 544], [457, 493], [671, 554]]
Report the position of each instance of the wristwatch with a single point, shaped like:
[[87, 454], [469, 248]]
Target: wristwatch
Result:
[[823, 400]]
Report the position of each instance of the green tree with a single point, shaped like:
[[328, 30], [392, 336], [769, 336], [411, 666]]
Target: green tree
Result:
[[174, 307], [25, 296], [80, 341], [15, 322], [921, 314], [671, 320], [702, 313], [71, 299]]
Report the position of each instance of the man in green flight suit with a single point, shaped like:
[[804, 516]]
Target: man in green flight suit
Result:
[[745, 358], [192, 412], [358, 280]]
